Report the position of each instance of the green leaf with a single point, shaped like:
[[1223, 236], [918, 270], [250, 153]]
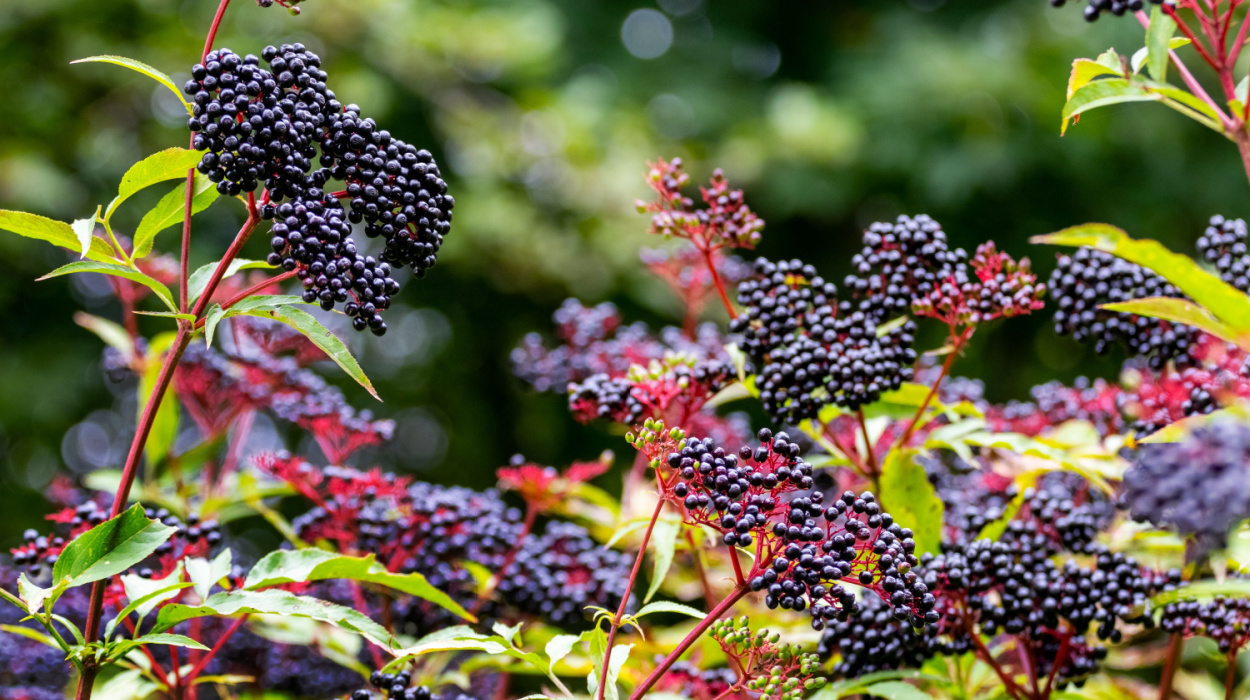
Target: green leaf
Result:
[[907, 494], [216, 314], [119, 649], [165, 425], [275, 602], [1205, 590], [301, 565], [1110, 91], [559, 647], [145, 594], [320, 336], [1177, 310], [205, 574], [169, 164], [1158, 40], [1222, 300], [616, 660], [34, 596], [170, 210], [55, 232], [664, 544], [127, 685], [852, 686], [198, 280], [31, 634], [459, 638], [664, 606], [117, 271], [896, 690], [110, 548], [140, 67]]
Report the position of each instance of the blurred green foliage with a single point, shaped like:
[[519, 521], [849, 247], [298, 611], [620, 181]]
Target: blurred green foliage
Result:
[[831, 115]]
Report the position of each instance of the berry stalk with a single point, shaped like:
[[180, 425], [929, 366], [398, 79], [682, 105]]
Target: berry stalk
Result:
[[713, 615], [1169, 665], [629, 587]]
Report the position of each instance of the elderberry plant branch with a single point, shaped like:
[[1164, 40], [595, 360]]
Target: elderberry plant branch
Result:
[[1061, 657], [696, 555], [1169, 665], [1230, 676], [217, 647], [212, 30], [615, 624], [263, 284], [1190, 81], [957, 344], [713, 615], [708, 254]]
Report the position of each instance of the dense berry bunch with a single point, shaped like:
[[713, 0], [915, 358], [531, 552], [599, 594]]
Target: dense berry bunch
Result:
[[1095, 8], [1198, 486], [1157, 399], [900, 263], [593, 340], [398, 686], [771, 668], [999, 287], [725, 220], [1225, 620], [807, 355], [395, 188], [675, 385], [1055, 403], [1223, 245], [556, 576], [1009, 587], [873, 640], [806, 549], [1089, 278], [972, 496]]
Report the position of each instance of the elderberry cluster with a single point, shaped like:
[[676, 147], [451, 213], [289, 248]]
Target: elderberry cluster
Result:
[[556, 576], [1197, 486], [902, 262], [1225, 620], [395, 188], [1095, 8], [1223, 245], [807, 354], [871, 639], [393, 686], [814, 546], [1086, 280]]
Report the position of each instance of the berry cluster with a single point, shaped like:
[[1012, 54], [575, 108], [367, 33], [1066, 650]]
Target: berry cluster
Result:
[[394, 686], [1223, 245], [805, 548], [1095, 8], [1089, 278], [872, 639], [1000, 287], [1197, 486], [556, 576], [1160, 398], [676, 387], [1006, 587], [1054, 404], [725, 220], [1225, 620], [902, 262], [771, 668], [809, 356]]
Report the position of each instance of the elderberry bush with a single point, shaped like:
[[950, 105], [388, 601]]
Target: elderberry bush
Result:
[[1197, 486]]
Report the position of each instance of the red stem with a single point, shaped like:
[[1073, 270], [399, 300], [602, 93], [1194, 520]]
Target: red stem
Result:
[[1230, 676], [713, 615], [212, 30], [708, 596], [957, 345], [629, 586], [1169, 666], [870, 465], [716, 280], [733, 557], [1060, 659], [221, 642]]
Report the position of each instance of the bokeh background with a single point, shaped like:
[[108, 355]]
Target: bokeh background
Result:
[[543, 112]]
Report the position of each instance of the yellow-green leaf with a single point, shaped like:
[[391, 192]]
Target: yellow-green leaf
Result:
[[140, 67], [56, 232], [169, 211], [320, 336], [907, 494], [117, 271], [169, 164]]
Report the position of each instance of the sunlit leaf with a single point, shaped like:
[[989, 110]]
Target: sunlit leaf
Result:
[[56, 232], [663, 545], [140, 67], [170, 211], [908, 495], [1158, 39], [115, 270], [110, 548], [169, 164]]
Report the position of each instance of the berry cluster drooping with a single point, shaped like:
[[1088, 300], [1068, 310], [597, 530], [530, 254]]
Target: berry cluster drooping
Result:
[[1197, 486], [1096, 8], [872, 639], [1088, 279], [806, 549], [1223, 245]]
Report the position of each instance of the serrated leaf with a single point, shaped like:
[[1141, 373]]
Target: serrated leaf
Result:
[[141, 67], [1177, 310], [1158, 41], [664, 544], [198, 280], [663, 606], [115, 270], [169, 164], [145, 594], [559, 647], [1222, 300], [216, 314], [275, 602], [119, 649], [56, 232], [110, 548], [302, 565], [909, 496], [205, 574], [171, 210], [320, 336]]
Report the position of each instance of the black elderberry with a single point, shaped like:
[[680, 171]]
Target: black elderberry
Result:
[[1223, 245]]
